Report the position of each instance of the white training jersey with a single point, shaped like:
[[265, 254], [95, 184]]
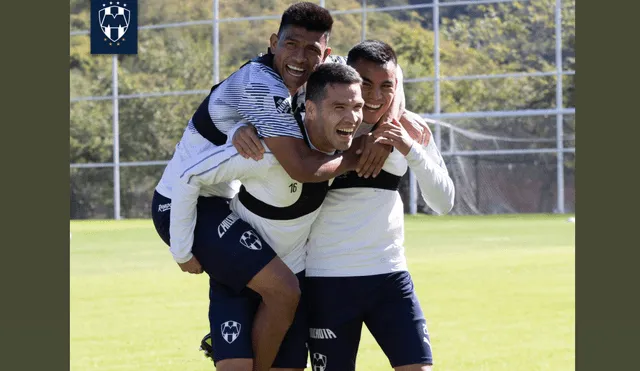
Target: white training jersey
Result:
[[360, 228], [255, 93], [279, 208]]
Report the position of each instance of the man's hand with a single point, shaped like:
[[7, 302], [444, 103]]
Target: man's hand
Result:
[[192, 266], [394, 134], [417, 127], [372, 156], [246, 141]]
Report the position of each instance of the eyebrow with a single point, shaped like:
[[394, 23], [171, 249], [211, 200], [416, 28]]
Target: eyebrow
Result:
[[371, 82]]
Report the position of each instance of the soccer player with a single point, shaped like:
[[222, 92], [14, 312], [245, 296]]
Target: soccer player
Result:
[[259, 92], [279, 209], [356, 267]]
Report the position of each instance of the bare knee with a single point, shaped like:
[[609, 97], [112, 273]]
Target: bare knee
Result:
[[278, 286], [235, 364]]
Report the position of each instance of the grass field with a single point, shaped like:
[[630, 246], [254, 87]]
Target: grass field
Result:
[[498, 293]]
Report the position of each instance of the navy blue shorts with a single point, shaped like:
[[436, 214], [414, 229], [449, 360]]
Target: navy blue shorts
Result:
[[227, 247], [386, 303], [231, 317]]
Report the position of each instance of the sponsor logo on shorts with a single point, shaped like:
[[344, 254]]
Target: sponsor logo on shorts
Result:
[[164, 207], [251, 241], [227, 223], [319, 362], [321, 333], [230, 331]]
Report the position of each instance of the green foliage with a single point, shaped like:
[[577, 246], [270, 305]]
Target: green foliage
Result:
[[482, 39]]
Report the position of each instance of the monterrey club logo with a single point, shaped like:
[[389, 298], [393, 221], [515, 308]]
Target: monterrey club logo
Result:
[[319, 362], [251, 241], [114, 27], [230, 331]]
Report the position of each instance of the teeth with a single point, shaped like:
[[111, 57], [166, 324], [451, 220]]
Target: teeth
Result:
[[295, 68], [371, 106], [350, 130]]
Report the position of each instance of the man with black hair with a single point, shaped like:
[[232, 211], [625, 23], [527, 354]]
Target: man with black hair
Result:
[[278, 208], [259, 92], [356, 267]]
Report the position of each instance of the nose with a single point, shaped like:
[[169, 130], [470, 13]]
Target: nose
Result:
[[298, 55], [353, 116], [377, 94]]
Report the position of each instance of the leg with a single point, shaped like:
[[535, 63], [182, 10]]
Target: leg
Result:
[[233, 254], [280, 293], [293, 352], [397, 323], [231, 318], [335, 323]]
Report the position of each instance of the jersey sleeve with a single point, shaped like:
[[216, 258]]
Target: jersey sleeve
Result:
[[266, 104], [436, 186], [221, 164]]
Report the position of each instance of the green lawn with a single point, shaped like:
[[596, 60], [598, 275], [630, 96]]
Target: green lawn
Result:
[[498, 293]]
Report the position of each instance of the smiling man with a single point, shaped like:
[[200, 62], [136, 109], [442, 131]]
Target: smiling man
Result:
[[356, 267], [272, 212]]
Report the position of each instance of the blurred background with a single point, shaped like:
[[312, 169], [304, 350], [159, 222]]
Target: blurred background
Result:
[[497, 75]]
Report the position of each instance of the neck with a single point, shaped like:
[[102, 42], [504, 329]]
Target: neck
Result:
[[317, 138]]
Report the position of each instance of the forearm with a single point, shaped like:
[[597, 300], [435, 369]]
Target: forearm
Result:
[[318, 167], [307, 165], [436, 186], [183, 221]]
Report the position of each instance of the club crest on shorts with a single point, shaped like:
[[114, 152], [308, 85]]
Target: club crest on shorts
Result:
[[251, 241], [319, 362], [230, 331]]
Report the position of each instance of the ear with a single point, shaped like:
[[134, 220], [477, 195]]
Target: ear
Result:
[[273, 41], [327, 52], [311, 110]]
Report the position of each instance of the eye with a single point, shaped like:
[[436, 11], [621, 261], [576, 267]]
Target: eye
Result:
[[290, 44], [339, 108], [314, 50], [366, 85]]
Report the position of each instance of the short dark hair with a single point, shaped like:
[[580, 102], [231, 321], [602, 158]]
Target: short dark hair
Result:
[[327, 74], [309, 16], [372, 50]]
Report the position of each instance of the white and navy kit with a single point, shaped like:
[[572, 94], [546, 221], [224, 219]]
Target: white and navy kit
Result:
[[281, 211], [356, 266], [192, 205]]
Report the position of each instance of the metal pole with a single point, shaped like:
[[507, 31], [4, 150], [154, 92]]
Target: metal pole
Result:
[[322, 3], [436, 62], [559, 105], [116, 139], [363, 35], [452, 139], [216, 42]]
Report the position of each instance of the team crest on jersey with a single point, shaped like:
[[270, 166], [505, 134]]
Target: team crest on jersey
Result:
[[230, 331], [251, 241], [114, 27], [283, 105], [319, 362]]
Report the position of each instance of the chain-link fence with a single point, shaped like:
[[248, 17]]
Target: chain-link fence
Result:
[[496, 75]]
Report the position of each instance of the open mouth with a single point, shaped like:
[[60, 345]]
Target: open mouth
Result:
[[345, 133], [372, 107], [295, 71]]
